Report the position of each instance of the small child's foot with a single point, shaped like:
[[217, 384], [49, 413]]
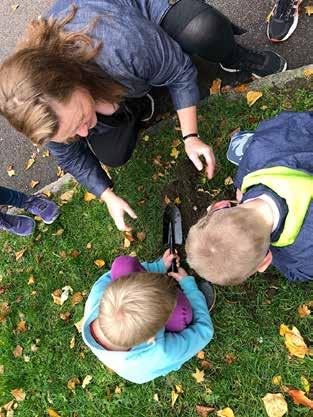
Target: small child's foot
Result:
[[208, 291], [41, 206], [18, 225]]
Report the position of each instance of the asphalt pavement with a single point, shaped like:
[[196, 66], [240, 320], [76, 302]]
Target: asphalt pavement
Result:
[[250, 14]]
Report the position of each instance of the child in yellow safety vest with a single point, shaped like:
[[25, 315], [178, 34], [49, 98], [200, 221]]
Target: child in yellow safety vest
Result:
[[273, 220]]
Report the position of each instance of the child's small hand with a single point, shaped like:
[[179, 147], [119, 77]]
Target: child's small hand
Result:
[[168, 258], [178, 275]]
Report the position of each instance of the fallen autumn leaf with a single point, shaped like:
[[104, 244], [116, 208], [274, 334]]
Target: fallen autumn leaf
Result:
[[275, 405], [294, 341], [253, 97]]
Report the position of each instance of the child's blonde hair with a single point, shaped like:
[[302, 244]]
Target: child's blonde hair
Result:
[[135, 307], [226, 246]]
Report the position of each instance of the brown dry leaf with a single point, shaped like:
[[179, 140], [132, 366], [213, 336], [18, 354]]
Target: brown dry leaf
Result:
[[60, 172], [141, 236], [19, 394], [228, 181], [242, 88], [46, 153], [60, 296], [174, 153], [177, 201], [72, 382], [10, 171], [31, 280], [77, 298], [53, 413], [72, 342], [230, 358], [176, 142], [306, 385], [206, 365], [89, 245], [74, 253], [167, 200], [253, 97], [201, 354], [275, 405], [198, 376], [294, 341], [18, 351], [29, 163], [65, 316], [300, 398], [203, 410], [128, 239], [309, 10], [99, 263], [304, 311], [4, 310], [226, 412], [79, 325], [19, 254], [67, 196], [89, 197], [33, 183], [21, 326], [216, 87], [86, 381]]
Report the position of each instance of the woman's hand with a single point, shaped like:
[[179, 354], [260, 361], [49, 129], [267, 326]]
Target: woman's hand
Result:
[[178, 275], [118, 208], [194, 149], [168, 258]]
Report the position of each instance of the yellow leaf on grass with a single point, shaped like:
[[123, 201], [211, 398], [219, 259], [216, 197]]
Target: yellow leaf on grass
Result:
[[128, 239], [174, 153], [89, 245], [226, 412], [72, 342], [72, 382], [201, 354], [253, 97], [20, 254], [21, 326], [276, 380], [275, 405], [59, 232], [67, 196], [308, 10], [33, 183], [29, 163], [53, 413], [99, 263], [305, 383], [86, 381], [228, 181], [216, 87], [79, 325], [177, 201], [19, 394], [198, 376], [174, 396], [77, 298], [89, 197], [294, 341], [304, 311], [308, 72]]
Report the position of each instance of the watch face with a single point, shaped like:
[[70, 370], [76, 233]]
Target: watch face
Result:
[[238, 145]]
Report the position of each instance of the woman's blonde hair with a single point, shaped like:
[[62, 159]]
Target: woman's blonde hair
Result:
[[49, 64], [135, 307], [226, 246]]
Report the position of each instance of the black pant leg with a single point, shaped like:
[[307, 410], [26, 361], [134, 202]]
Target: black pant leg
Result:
[[201, 30], [114, 138]]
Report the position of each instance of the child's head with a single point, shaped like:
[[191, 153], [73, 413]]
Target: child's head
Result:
[[134, 309], [227, 246]]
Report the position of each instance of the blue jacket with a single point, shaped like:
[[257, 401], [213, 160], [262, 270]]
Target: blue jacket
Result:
[[137, 53], [168, 352], [286, 140]]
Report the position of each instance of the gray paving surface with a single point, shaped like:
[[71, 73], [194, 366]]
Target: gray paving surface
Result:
[[251, 14]]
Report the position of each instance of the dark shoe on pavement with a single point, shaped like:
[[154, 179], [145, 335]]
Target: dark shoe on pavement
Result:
[[18, 225], [283, 20], [208, 291], [258, 63], [41, 206]]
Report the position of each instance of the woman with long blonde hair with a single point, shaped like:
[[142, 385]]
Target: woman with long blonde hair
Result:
[[78, 81]]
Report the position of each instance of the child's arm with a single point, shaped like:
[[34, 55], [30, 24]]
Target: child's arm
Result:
[[180, 347], [162, 265]]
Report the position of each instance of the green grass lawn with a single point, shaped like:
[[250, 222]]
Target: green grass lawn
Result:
[[247, 350]]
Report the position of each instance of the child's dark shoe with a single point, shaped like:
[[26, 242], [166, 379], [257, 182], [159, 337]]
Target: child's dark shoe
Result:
[[41, 206], [18, 225], [208, 291]]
